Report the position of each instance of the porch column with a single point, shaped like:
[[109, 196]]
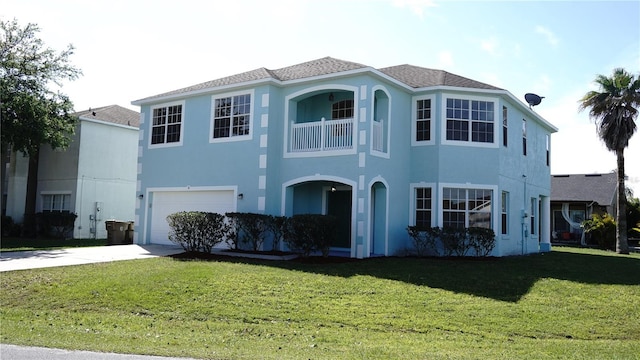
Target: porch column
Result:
[[545, 224]]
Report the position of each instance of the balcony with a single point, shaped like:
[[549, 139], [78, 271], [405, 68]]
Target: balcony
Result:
[[323, 135]]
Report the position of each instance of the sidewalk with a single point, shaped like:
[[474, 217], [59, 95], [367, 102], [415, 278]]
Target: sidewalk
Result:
[[21, 260], [11, 352]]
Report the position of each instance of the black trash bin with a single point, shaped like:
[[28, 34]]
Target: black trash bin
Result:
[[117, 232]]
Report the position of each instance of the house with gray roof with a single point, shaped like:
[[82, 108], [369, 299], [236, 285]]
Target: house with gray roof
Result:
[[95, 177], [574, 198], [380, 149]]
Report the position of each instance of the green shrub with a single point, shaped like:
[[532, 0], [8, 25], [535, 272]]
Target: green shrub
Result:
[[251, 228], [455, 241], [56, 224], [603, 229], [482, 240], [9, 228], [425, 240], [307, 233], [198, 231], [277, 225]]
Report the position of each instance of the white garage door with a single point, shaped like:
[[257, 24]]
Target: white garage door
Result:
[[169, 202]]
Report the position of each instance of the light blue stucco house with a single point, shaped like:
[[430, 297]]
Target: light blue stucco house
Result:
[[379, 148]]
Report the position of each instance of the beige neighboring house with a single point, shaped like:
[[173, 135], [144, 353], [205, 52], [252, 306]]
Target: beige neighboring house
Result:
[[95, 177], [574, 198]]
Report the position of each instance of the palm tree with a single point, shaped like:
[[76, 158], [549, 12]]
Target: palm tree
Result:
[[614, 109]]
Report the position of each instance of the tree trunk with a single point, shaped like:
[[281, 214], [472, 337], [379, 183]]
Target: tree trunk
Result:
[[30, 228], [622, 247]]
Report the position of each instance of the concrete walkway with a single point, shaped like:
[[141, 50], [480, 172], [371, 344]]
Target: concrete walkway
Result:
[[21, 260], [13, 352]]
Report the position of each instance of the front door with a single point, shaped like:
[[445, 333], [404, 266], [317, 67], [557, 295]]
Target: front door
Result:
[[339, 205]]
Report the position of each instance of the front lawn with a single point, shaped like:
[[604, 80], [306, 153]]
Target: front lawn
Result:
[[570, 303]]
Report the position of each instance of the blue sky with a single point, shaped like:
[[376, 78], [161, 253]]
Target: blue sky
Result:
[[131, 49]]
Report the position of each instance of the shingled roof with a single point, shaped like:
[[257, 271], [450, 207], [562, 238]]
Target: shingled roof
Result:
[[412, 76], [113, 114], [418, 77], [600, 188]]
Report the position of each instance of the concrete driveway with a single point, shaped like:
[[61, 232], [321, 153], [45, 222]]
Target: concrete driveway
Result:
[[21, 260]]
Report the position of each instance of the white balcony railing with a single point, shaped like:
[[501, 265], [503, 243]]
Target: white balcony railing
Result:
[[323, 135], [377, 140]]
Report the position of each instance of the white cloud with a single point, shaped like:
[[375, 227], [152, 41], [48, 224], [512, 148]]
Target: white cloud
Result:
[[418, 7], [551, 37]]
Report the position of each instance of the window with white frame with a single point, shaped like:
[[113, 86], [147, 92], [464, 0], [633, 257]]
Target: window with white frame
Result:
[[532, 215], [423, 207], [56, 203], [504, 126], [469, 120], [231, 116], [342, 109], [166, 124], [423, 120], [524, 137], [466, 207], [505, 212]]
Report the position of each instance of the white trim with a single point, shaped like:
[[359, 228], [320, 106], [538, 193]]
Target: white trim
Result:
[[182, 125], [150, 190], [497, 118], [414, 120], [252, 122]]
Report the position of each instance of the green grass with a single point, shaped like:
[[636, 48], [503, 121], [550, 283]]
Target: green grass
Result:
[[26, 244], [570, 303]]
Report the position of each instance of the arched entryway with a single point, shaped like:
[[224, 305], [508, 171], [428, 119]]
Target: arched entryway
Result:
[[324, 195]]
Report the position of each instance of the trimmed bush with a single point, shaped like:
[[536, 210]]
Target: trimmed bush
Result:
[[425, 240], [198, 231], [306, 233], [453, 241], [278, 226], [482, 240], [603, 229], [251, 228], [56, 224]]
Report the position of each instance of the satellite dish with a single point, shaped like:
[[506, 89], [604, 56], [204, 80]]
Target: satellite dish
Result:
[[533, 99]]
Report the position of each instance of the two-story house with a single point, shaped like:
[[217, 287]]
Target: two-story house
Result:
[[380, 149], [95, 177]]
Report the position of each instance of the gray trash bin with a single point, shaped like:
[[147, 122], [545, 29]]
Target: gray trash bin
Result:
[[117, 232]]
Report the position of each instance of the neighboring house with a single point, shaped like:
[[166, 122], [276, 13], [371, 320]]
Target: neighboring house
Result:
[[95, 177], [381, 149], [574, 198]]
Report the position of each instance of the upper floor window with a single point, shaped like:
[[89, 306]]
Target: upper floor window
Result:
[[524, 137], [56, 202], [469, 120], [548, 150], [422, 127], [166, 124], [231, 116], [504, 126], [342, 109]]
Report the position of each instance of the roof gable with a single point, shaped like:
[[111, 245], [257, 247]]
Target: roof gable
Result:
[[113, 114], [600, 188]]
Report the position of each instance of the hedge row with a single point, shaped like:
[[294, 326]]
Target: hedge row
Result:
[[452, 241], [199, 231]]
